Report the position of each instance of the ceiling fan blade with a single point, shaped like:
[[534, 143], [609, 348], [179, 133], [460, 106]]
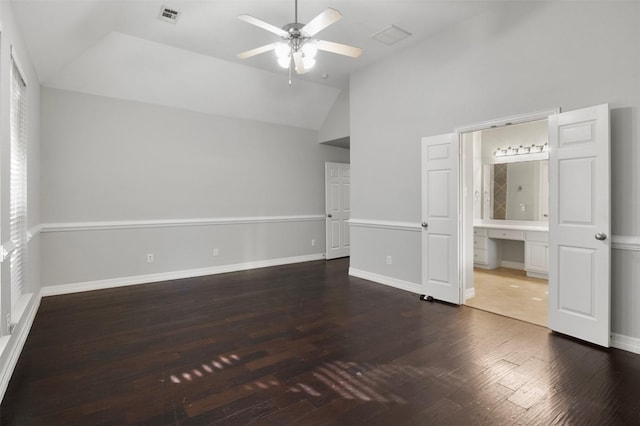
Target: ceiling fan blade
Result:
[[320, 22], [257, 51], [340, 49], [264, 25], [297, 59]]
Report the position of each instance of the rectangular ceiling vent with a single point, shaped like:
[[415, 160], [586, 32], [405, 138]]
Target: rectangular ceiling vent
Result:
[[391, 35], [168, 14]]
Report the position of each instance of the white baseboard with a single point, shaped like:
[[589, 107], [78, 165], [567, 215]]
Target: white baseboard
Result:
[[382, 279], [626, 343], [14, 344], [54, 290], [469, 293], [512, 265], [538, 275]]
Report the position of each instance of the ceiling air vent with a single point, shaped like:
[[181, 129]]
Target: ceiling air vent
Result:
[[168, 14], [391, 35]]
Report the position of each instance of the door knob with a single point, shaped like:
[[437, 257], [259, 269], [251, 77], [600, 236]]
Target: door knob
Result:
[[601, 236], [329, 215], [425, 225]]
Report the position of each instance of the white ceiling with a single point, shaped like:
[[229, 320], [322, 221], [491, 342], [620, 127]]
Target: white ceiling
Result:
[[120, 49]]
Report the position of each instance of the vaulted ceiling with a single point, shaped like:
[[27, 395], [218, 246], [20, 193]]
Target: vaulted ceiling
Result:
[[121, 49]]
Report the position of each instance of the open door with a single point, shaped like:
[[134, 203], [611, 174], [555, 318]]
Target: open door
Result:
[[440, 224], [338, 205], [579, 224]]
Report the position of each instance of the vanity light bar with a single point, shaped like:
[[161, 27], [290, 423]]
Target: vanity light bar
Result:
[[522, 150]]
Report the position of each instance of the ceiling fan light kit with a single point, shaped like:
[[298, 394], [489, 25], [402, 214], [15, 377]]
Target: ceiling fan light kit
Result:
[[285, 52], [298, 50]]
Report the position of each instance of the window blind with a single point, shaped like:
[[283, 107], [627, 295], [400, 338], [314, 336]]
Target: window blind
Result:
[[18, 183]]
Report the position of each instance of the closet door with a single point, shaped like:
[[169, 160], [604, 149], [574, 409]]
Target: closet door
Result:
[[440, 224], [338, 206], [579, 224]]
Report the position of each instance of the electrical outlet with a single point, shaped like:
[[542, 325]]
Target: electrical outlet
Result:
[[150, 258], [216, 252], [313, 242], [388, 260]]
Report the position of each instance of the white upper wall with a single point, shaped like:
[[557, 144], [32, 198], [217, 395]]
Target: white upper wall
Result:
[[520, 58], [126, 67], [121, 49], [336, 126]]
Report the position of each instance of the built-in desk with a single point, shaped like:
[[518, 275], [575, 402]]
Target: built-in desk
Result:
[[487, 247]]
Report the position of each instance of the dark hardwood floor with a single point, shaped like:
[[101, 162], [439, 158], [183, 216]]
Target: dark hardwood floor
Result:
[[304, 344]]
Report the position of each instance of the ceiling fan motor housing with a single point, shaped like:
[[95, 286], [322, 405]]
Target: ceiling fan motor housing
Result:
[[294, 29], [295, 39]]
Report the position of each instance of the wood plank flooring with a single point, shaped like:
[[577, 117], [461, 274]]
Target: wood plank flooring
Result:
[[304, 344]]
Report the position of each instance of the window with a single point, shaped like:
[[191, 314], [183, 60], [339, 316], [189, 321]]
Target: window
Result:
[[18, 184]]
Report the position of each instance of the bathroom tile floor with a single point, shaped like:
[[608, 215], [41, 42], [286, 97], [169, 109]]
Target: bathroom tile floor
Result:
[[511, 293]]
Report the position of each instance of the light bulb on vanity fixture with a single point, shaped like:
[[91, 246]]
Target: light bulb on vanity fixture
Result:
[[521, 153]]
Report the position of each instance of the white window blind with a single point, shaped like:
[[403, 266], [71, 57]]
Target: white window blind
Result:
[[18, 184]]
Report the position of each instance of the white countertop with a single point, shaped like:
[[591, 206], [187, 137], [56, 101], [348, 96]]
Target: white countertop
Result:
[[513, 225]]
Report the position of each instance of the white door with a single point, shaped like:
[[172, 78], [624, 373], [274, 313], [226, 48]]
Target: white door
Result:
[[440, 218], [579, 228], [337, 202]]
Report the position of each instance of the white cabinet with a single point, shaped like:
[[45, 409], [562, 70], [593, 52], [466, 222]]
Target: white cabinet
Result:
[[536, 254], [485, 250], [506, 234], [487, 245]]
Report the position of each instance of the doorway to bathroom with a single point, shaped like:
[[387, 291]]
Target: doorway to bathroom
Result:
[[509, 167]]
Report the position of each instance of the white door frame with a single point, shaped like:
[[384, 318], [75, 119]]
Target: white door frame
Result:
[[466, 224]]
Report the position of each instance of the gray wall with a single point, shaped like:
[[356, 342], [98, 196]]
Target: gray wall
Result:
[[518, 58], [111, 169]]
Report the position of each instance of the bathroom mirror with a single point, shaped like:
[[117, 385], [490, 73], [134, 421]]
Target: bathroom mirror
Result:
[[511, 172], [517, 191]]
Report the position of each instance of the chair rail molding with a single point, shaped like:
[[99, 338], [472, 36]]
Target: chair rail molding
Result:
[[385, 224], [620, 242], [165, 223]]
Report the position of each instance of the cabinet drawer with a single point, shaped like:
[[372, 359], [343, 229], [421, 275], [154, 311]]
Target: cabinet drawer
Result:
[[479, 242], [480, 256], [479, 231], [506, 234], [542, 237]]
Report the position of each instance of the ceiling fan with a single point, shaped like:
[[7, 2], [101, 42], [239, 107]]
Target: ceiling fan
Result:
[[298, 49]]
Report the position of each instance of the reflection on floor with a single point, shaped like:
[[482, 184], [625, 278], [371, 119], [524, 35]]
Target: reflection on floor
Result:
[[511, 293]]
